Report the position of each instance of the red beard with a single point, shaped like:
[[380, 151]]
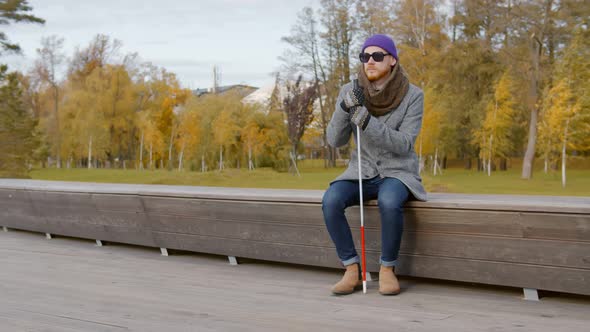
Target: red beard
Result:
[[376, 74]]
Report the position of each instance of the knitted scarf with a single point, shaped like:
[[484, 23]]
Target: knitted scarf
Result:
[[380, 102]]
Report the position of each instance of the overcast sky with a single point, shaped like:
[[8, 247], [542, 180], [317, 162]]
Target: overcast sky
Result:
[[187, 37]]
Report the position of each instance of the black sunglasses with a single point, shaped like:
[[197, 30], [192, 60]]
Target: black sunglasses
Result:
[[377, 56]]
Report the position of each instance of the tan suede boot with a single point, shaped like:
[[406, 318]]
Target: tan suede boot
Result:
[[388, 284], [350, 282]]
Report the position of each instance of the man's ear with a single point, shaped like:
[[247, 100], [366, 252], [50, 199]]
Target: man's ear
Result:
[[393, 63]]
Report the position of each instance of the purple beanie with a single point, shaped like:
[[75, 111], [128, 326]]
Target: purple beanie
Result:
[[383, 41]]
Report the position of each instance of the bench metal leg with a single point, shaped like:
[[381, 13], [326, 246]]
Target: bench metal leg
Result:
[[164, 251], [4, 228], [372, 276], [98, 243], [232, 260], [531, 294], [48, 236]]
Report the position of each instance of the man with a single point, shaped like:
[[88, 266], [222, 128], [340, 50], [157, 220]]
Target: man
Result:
[[388, 110]]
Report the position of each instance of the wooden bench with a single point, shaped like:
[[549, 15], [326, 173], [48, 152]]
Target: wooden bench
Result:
[[531, 242]]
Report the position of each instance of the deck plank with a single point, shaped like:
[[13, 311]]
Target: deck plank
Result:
[[70, 284]]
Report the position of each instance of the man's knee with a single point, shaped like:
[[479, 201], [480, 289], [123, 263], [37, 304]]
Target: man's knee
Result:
[[393, 196], [391, 201], [332, 200]]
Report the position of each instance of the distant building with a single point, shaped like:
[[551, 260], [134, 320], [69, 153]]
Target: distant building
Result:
[[260, 96], [241, 89]]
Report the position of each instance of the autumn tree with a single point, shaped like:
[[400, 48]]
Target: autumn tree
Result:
[[84, 123], [375, 16], [298, 106], [157, 99], [15, 11], [305, 57], [189, 134], [83, 117], [564, 121], [226, 127], [119, 111], [418, 28], [566, 108], [49, 62], [495, 136], [17, 139], [429, 140], [253, 135]]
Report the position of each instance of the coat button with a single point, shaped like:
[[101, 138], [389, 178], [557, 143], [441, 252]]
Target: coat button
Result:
[[378, 162]]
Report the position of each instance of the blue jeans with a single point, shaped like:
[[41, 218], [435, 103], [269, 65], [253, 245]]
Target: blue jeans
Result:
[[391, 195]]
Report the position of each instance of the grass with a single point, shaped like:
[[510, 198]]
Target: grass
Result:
[[509, 182], [260, 178], [314, 176]]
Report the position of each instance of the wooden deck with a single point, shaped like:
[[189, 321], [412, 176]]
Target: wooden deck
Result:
[[69, 284]]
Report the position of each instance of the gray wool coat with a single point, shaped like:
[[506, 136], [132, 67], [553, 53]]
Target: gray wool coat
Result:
[[387, 143]]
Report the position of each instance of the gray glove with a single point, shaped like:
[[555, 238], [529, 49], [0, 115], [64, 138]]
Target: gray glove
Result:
[[360, 116], [353, 97]]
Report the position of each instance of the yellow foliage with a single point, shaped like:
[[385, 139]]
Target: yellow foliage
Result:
[[431, 124], [494, 137], [189, 132], [83, 118], [563, 120]]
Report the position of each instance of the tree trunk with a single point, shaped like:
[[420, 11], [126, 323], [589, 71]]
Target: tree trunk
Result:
[[294, 160], [546, 163], [490, 157], [333, 156], [220, 157], [536, 48], [203, 163], [90, 153], [131, 147], [563, 153], [468, 163], [56, 112], [170, 150], [180, 158], [527, 164], [151, 156], [324, 122], [250, 164], [141, 152], [435, 166], [420, 156], [317, 68], [482, 154]]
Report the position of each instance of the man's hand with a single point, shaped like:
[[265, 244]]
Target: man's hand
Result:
[[353, 98], [360, 116]]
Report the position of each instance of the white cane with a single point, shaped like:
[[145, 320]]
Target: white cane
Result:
[[363, 256]]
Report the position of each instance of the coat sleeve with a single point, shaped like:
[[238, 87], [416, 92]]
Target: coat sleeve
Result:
[[400, 141], [339, 128]]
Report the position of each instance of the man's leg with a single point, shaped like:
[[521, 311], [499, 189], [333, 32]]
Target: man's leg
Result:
[[393, 194], [337, 198]]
